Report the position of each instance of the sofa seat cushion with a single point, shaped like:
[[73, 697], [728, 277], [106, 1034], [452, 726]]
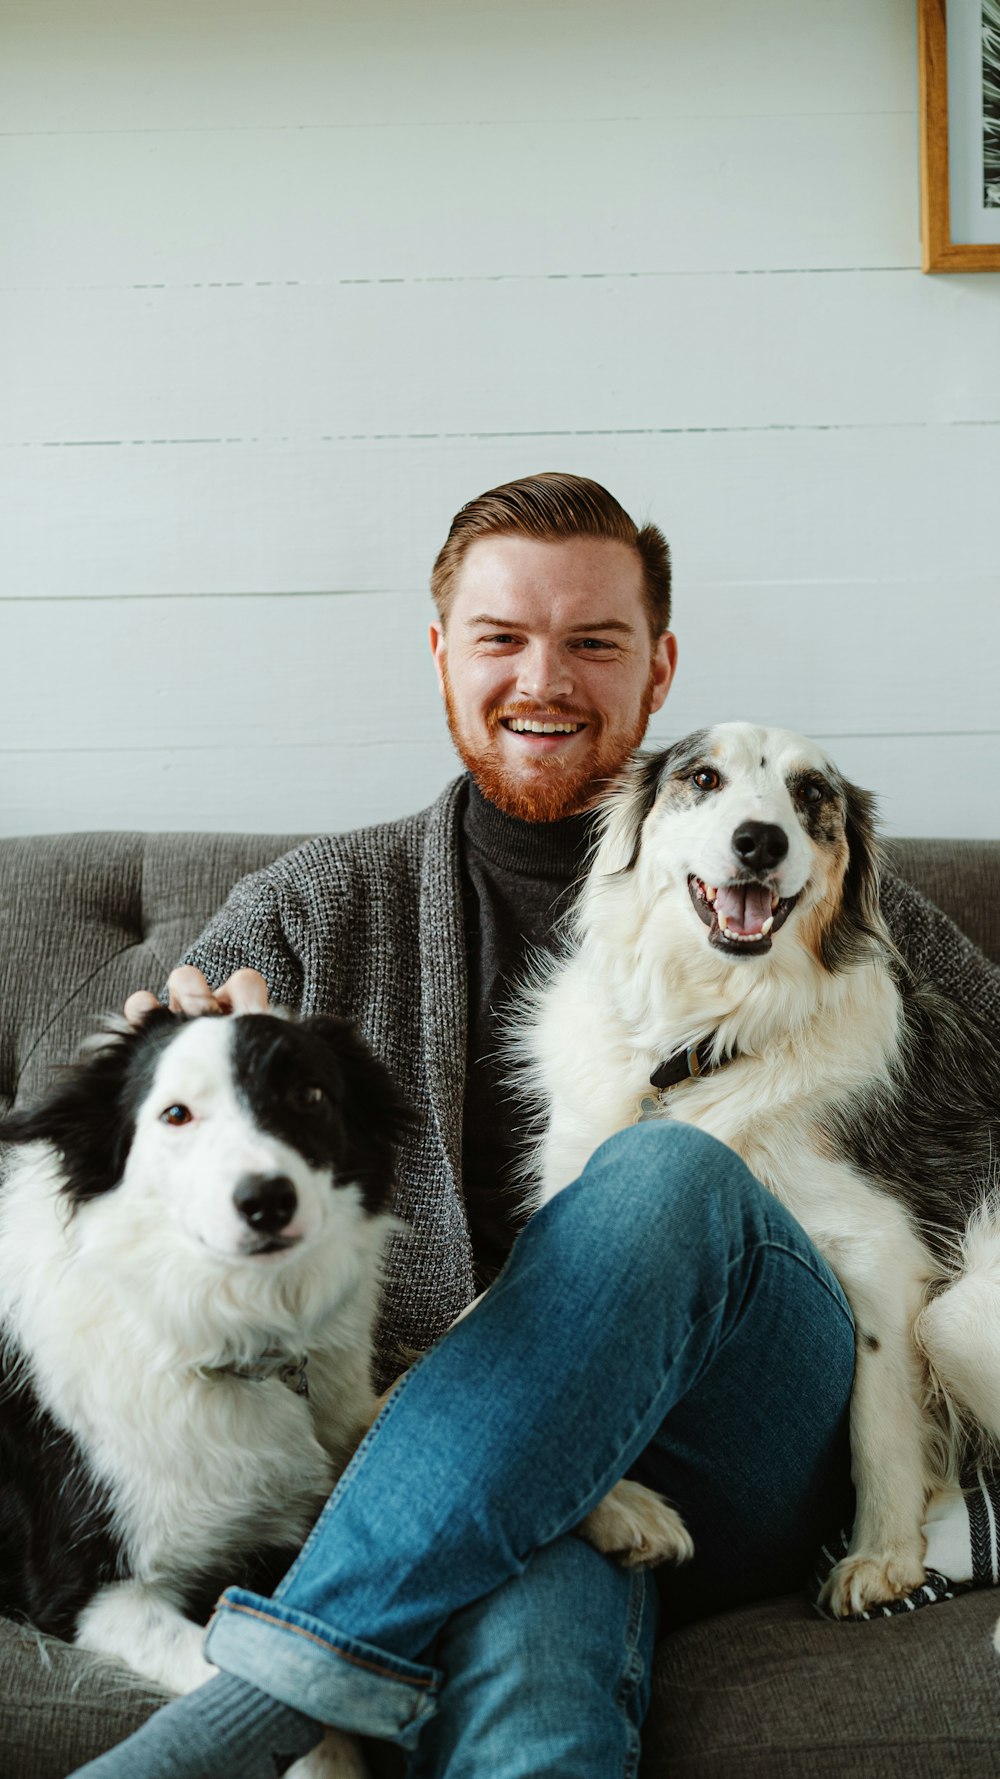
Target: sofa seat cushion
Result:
[[776, 1690]]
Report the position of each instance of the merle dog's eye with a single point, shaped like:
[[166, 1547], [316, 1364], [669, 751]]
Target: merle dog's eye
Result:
[[813, 791], [176, 1115], [706, 778]]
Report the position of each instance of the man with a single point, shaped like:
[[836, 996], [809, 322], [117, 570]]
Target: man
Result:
[[441, 1601]]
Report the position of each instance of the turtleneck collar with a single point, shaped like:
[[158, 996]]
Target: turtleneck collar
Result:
[[531, 849]]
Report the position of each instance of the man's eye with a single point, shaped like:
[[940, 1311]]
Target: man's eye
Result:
[[594, 643], [706, 778], [176, 1115]]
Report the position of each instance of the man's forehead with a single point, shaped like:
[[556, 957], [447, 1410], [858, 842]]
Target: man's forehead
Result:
[[589, 582]]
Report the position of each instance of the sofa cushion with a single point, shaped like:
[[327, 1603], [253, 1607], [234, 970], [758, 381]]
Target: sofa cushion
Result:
[[776, 1691]]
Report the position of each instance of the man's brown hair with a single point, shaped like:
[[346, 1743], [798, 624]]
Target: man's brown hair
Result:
[[552, 506]]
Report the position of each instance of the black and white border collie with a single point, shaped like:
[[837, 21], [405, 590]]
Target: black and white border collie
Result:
[[191, 1233], [727, 964]]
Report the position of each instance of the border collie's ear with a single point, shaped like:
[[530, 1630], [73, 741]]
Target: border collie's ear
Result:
[[86, 1116], [626, 809], [375, 1115], [859, 917]]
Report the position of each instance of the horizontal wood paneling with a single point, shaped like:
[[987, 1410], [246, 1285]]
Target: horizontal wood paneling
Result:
[[82, 65], [899, 503], [465, 200], [389, 359], [392, 254]]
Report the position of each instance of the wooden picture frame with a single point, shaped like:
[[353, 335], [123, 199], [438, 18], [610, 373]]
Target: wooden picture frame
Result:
[[940, 252]]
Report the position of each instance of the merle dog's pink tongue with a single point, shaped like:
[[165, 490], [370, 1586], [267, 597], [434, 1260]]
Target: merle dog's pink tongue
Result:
[[746, 906]]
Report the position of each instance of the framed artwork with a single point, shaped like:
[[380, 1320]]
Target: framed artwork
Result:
[[959, 52]]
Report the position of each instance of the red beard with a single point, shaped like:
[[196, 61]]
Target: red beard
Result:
[[558, 787]]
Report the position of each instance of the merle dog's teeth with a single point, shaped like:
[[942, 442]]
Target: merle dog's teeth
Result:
[[768, 924]]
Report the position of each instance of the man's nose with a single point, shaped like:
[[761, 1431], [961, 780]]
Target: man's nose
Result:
[[544, 674]]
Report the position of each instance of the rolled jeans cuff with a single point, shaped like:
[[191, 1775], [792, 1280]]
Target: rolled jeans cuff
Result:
[[307, 1664]]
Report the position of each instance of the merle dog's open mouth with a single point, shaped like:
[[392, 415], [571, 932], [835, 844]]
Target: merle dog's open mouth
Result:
[[740, 917]]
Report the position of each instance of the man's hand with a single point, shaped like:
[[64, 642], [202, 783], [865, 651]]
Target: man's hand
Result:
[[245, 992]]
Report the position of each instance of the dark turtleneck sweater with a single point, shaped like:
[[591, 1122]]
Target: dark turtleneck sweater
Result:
[[517, 879]]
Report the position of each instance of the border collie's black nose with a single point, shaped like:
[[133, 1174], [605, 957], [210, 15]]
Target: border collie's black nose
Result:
[[760, 846], [266, 1201]]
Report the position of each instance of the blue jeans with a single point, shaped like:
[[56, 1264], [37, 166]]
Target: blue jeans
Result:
[[663, 1317]]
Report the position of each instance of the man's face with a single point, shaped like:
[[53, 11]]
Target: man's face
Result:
[[554, 634]]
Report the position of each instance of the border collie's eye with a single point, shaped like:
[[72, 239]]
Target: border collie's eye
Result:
[[307, 1096], [706, 778], [175, 1115]]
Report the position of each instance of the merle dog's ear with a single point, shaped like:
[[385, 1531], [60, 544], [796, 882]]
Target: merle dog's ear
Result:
[[375, 1115], [858, 920], [88, 1116], [626, 810], [864, 865]]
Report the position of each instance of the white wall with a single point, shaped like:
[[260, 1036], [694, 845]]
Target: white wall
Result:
[[284, 284]]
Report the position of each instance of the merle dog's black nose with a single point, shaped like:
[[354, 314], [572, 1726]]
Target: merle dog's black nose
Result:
[[266, 1201], [760, 846]]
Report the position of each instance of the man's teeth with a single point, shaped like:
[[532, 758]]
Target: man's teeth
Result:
[[521, 727]]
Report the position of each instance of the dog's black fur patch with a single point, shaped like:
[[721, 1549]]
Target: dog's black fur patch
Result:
[[56, 1542], [933, 1139], [855, 926], [357, 1120], [89, 1116], [646, 776]]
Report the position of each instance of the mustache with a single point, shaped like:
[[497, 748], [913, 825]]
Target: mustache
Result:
[[532, 713]]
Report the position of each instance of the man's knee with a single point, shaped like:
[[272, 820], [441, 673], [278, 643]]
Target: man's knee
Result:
[[657, 1183], [571, 1616]]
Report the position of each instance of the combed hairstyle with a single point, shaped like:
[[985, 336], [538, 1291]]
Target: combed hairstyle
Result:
[[552, 506]]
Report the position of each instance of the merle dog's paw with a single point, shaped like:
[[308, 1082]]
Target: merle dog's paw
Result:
[[637, 1528]]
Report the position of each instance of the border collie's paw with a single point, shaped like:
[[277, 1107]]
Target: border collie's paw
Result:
[[336, 1757], [858, 1582], [637, 1528]]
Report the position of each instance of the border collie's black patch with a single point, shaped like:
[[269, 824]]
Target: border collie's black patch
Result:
[[89, 1116], [56, 1543], [353, 1118]]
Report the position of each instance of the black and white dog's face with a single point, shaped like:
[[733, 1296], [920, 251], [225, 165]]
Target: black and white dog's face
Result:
[[251, 1137], [755, 824]]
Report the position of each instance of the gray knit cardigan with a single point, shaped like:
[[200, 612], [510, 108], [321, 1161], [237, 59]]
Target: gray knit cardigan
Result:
[[369, 924]]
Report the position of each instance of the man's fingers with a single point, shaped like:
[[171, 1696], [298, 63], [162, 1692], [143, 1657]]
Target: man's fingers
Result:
[[138, 1005], [189, 992], [245, 992]]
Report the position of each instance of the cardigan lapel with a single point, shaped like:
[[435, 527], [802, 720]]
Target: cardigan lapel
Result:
[[444, 993]]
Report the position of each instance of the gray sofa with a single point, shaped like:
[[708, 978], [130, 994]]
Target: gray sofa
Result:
[[771, 1689]]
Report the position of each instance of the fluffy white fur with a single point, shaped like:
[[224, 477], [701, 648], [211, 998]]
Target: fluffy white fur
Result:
[[639, 981]]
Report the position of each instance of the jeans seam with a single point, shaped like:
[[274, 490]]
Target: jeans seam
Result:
[[633, 1671], [331, 1648], [355, 1465]]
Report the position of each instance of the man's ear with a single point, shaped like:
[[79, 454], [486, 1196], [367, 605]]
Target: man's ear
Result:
[[438, 650], [664, 667]]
